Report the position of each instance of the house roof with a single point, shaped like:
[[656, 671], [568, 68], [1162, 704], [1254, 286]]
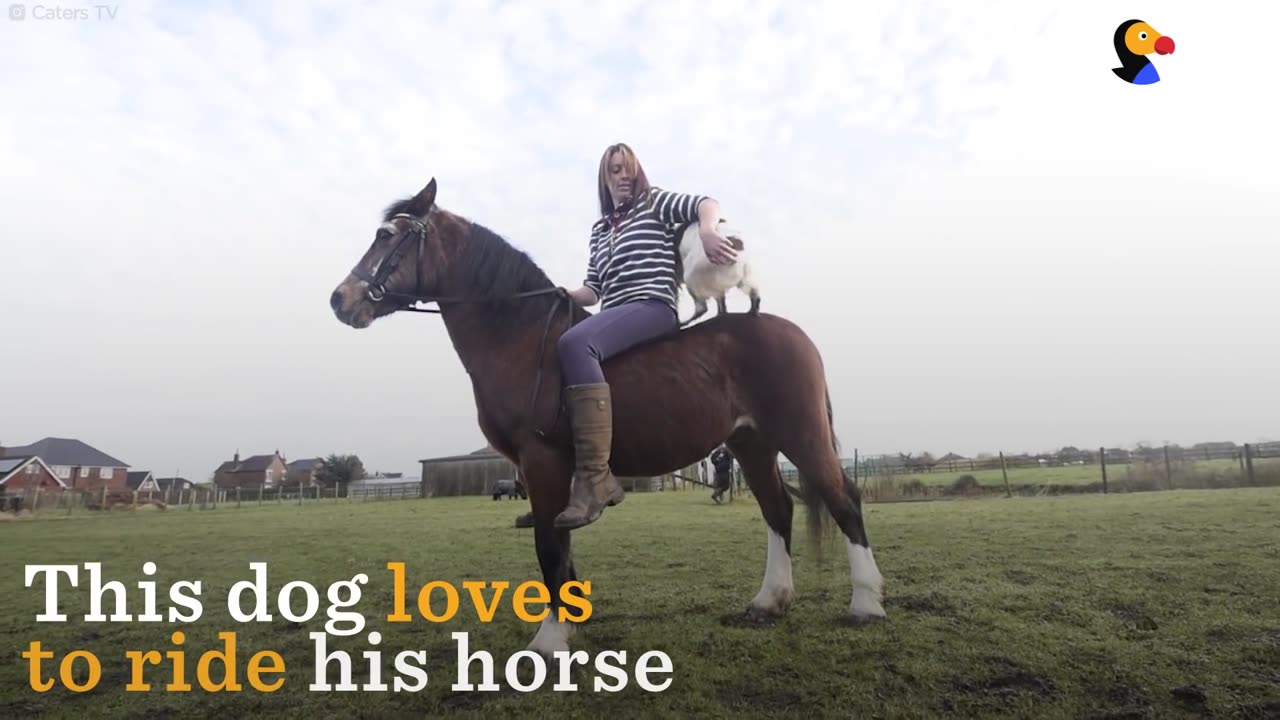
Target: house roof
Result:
[[305, 464], [483, 454], [10, 466], [167, 482], [66, 451], [255, 463], [137, 477]]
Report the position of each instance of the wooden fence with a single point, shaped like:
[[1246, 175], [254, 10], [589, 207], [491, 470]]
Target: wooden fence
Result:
[[879, 479], [71, 501]]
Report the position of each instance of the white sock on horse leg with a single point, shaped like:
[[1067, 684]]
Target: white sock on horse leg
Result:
[[552, 636], [776, 590], [868, 584]]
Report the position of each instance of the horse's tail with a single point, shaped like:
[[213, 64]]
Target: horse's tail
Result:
[[821, 523]]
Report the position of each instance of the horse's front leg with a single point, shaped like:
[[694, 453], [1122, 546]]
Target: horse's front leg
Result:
[[547, 480]]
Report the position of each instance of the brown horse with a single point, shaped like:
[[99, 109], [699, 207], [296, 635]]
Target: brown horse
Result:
[[752, 381]]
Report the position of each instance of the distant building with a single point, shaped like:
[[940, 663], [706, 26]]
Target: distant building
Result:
[[18, 474], [303, 472], [173, 484], [75, 463], [472, 474], [142, 481], [266, 471]]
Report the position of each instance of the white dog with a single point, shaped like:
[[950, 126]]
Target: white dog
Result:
[[708, 281]]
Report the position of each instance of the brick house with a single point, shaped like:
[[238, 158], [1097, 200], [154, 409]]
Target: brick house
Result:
[[18, 474], [76, 464], [267, 471]]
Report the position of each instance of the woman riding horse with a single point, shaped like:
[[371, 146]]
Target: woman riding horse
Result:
[[631, 272]]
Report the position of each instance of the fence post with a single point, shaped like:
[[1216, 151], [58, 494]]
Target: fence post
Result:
[[1248, 461], [1168, 473], [1102, 455], [1008, 492]]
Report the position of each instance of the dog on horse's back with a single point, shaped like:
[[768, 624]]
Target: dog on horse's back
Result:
[[707, 281]]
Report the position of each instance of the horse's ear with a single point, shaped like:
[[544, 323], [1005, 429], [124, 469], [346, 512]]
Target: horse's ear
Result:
[[425, 199]]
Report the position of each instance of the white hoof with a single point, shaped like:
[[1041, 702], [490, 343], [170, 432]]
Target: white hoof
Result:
[[553, 636], [868, 585]]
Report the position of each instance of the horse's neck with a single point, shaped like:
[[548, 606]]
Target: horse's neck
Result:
[[501, 358], [477, 342]]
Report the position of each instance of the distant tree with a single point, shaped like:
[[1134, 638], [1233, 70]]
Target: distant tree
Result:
[[341, 469], [1069, 454]]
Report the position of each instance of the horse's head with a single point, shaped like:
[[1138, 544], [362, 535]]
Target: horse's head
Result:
[[401, 265]]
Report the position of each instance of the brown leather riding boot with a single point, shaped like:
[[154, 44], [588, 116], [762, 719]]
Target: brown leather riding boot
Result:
[[594, 486]]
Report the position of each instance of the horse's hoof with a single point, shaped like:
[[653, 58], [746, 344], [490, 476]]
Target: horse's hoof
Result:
[[760, 616], [862, 620]]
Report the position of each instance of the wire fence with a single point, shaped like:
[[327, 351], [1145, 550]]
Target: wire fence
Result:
[[1069, 471], [883, 478]]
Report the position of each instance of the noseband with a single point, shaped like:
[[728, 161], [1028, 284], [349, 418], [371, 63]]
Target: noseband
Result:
[[377, 292], [377, 282]]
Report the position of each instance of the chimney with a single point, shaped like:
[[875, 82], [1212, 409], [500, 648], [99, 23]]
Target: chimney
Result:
[[236, 459]]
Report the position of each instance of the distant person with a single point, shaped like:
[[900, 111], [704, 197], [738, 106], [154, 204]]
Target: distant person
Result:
[[722, 461]]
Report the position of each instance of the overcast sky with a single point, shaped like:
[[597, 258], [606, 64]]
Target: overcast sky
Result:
[[996, 243]]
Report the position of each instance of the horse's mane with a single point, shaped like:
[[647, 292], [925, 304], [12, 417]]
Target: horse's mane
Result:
[[488, 265]]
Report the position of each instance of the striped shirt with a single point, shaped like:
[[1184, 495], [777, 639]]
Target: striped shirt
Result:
[[637, 259]]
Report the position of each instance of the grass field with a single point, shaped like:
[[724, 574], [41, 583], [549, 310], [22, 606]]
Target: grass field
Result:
[[1133, 605]]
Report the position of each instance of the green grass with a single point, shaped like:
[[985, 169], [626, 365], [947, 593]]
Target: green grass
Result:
[[1062, 607]]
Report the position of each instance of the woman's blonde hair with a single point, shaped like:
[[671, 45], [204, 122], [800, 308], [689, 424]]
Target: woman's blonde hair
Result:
[[628, 157]]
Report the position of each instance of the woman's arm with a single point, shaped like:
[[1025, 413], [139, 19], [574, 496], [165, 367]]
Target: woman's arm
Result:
[[584, 296], [677, 208], [589, 293], [708, 214]]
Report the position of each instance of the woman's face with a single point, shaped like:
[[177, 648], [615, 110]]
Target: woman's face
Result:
[[621, 180]]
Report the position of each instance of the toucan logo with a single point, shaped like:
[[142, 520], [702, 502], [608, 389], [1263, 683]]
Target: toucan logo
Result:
[[1135, 40]]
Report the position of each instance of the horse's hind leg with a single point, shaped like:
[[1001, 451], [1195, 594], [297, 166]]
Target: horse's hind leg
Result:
[[760, 468], [820, 468]]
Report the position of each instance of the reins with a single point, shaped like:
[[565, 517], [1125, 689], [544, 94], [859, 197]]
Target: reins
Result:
[[377, 292]]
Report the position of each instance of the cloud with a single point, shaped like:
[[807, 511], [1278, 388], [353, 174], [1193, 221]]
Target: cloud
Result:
[[992, 240]]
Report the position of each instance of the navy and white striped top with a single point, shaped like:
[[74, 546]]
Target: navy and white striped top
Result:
[[636, 260]]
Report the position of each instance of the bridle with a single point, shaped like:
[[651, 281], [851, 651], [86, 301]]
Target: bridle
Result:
[[417, 230]]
